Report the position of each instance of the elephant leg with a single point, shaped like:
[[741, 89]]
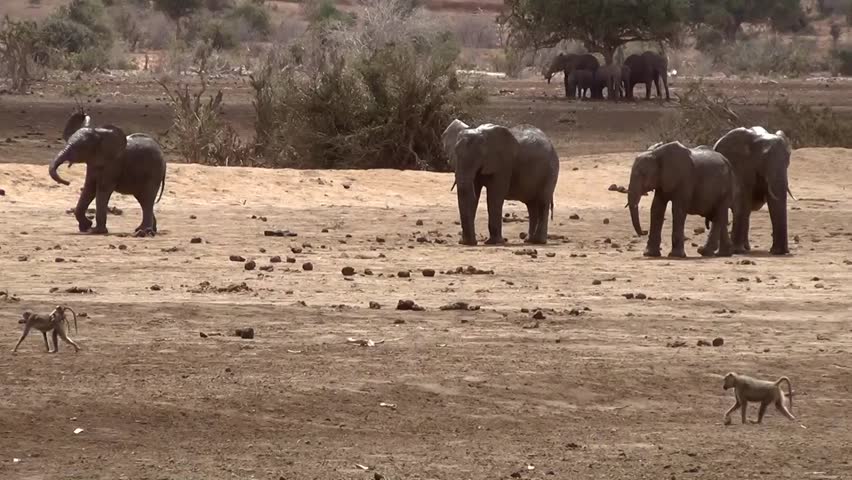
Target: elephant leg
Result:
[[742, 214], [539, 235], [148, 227], [532, 212], [86, 197], [101, 205], [725, 246], [655, 234], [778, 216], [678, 224], [712, 243], [657, 86], [648, 89], [666, 85], [495, 216]]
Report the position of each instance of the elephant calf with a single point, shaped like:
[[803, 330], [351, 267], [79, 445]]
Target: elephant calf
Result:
[[129, 164], [697, 181], [512, 164], [578, 82]]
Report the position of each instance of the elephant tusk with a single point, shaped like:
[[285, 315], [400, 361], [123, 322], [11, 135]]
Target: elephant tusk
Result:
[[454, 186], [791, 193]]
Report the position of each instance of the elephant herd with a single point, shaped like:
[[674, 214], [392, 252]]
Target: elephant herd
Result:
[[744, 170], [583, 74]]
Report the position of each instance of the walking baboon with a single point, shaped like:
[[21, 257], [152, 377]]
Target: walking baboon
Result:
[[748, 389], [56, 321]]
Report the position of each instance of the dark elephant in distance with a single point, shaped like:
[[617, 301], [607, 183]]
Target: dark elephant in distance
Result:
[[578, 83], [115, 162], [648, 68], [760, 160], [568, 62], [512, 164]]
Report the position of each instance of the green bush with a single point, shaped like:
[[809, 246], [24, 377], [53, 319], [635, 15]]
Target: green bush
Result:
[[255, 16], [67, 35], [708, 39], [220, 35], [842, 59], [772, 56], [89, 60], [376, 96]]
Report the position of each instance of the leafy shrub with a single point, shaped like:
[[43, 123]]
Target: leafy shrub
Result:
[[708, 39], [841, 58], [89, 60], [67, 35], [374, 97], [772, 56], [703, 117], [18, 41], [255, 16], [325, 12], [220, 35]]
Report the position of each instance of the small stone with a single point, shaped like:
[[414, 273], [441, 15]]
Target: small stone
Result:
[[267, 268], [404, 274], [307, 266], [530, 325], [596, 282], [245, 333], [59, 260], [419, 223], [380, 240], [324, 230], [428, 272], [156, 288], [606, 221], [192, 217], [819, 285], [367, 271], [703, 343], [202, 334], [2, 192], [550, 254], [815, 279], [539, 315], [628, 296], [275, 259], [296, 250], [574, 216], [262, 250], [195, 240], [422, 239], [718, 341], [236, 258], [742, 279], [676, 344], [613, 188], [408, 305], [347, 271], [122, 247], [699, 230], [291, 260], [375, 306], [250, 265], [398, 321], [641, 296]]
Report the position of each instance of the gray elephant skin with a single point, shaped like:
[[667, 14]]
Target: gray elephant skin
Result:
[[115, 162], [570, 62], [760, 160], [512, 164], [648, 68], [578, 82], [608, 77], [696, 181]]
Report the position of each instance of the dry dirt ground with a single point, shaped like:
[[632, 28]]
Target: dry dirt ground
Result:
[[590, 391]]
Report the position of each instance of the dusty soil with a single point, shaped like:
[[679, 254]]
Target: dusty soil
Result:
[[589, 391]]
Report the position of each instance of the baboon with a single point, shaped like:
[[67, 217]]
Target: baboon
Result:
[[55, 321], [748, 389]]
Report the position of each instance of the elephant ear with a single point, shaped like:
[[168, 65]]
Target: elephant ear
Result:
[[111, 144], [501, 148], [449, 139], [76, 121], [675, 162]]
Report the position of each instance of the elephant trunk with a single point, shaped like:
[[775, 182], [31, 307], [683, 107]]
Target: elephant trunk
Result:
[[59, 160], [467, 211], [633, 196]]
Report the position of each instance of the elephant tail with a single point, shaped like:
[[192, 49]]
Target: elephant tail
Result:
[[162, 186]]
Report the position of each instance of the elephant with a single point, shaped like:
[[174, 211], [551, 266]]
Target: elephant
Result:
[[697, 181], [568, 62], [609, 77], [625, 81], [115, 162], [648, 68], [760, 160], [512, 164], [579, 82]]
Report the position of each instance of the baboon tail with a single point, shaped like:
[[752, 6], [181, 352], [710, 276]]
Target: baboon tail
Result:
[[789, 390], [75, 320]]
